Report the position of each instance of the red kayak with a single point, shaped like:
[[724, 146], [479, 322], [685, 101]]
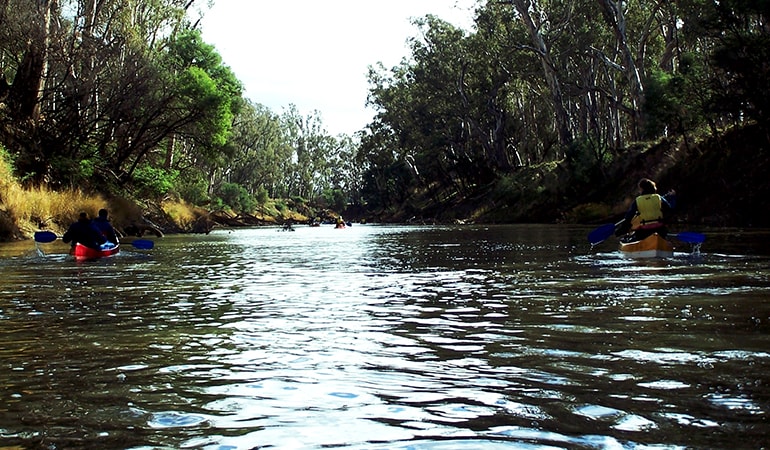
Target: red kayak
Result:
[[80, 251]]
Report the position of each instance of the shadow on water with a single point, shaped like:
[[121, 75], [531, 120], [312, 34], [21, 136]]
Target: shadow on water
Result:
[[386, 337]]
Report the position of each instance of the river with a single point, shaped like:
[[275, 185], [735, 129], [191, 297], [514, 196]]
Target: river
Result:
[[386, 337]]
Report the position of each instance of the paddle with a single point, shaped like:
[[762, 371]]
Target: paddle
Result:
[[601, 234], [49, 236], [45, 236], [143, 244], [689, 237]]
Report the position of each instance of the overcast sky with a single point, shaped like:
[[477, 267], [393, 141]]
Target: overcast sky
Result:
[[315, 53]]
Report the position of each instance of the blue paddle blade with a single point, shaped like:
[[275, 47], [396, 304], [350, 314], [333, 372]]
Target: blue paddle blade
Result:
[[45, 236], [143, 244], [690, 237], [601, 234]]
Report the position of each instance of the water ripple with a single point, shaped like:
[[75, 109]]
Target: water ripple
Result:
[[385, 337]]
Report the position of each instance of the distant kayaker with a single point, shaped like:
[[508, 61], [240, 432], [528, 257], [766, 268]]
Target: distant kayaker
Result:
[[647, 213], [85, 232], [102, 223]]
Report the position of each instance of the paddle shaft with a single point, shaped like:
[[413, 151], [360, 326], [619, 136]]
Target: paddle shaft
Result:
[[45, 237]]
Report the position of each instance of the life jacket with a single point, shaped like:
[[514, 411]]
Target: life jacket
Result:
[[650, 207]]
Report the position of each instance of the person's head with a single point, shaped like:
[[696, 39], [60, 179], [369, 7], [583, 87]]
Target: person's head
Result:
[[647, 186], [83, 217], [103, 213]]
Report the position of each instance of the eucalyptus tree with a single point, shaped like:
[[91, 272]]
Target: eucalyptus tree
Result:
[[535, 20], [312, 147], [201, 102], [347, 174], [259, 151], [121, 85], [384, 178], [34, 25], [447, 111], [29, 28], [740, 31]]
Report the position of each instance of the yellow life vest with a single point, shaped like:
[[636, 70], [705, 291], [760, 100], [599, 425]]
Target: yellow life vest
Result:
[[650, 208]]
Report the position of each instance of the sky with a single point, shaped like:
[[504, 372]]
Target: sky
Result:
[[315, 53]]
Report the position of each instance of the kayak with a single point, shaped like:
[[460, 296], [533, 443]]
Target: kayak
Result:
[[653, 246], [80, 251]]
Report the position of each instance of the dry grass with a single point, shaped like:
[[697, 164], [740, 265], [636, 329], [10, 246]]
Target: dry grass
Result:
[[40, 208], [24, 211], [27, 210], [182, 214]]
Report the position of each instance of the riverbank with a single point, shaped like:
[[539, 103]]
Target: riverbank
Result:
[[720, 181]]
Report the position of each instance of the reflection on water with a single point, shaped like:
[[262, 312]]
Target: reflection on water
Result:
[[385, 337]]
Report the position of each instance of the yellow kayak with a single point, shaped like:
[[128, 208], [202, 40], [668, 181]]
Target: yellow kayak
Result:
[[653, 246]]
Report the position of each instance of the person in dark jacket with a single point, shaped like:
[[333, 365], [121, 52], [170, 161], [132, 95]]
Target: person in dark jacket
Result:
[[84, 232], [647, 213], [104, 226]]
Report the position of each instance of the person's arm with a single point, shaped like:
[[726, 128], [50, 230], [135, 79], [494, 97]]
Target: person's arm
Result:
[[69, 235], [624, 226], [669, 201], [97, 234]]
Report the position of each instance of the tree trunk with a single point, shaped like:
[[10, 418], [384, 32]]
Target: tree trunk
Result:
[[26, 91], [549, 71], [616, 19]]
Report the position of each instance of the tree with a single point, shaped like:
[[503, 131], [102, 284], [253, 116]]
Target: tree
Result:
[[26, 91], [543, 51]]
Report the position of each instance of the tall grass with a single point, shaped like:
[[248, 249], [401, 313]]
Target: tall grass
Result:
[[25, 210], [182, 214]]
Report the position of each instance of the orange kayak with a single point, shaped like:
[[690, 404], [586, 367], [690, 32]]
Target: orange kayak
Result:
[[653, 246], [80, 251]]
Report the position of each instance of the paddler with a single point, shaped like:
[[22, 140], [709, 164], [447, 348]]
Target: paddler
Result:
[[102, 223], [647, 213], [83, 231]]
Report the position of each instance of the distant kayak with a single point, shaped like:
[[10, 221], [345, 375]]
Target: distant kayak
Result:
[[80, 251], [653, 246]]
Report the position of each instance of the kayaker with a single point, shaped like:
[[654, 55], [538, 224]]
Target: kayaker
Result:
[[85, 232], [647, 213], [105, 227]]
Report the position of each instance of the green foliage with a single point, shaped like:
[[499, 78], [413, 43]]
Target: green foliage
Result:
[[586, 158], [281, 206], [297, 200], [744, 61], [675, 103], [660, 102], [193, 188], [6, 165], [207, 90], [335, 198], [236, 197], [153, 182], [261, 196], [73, 172]]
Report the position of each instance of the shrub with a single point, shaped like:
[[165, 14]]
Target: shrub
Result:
[[261, 196], [153, 182], [193, 188], [237, 197]]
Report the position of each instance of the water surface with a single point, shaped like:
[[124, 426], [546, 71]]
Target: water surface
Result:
[[386, 337]]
